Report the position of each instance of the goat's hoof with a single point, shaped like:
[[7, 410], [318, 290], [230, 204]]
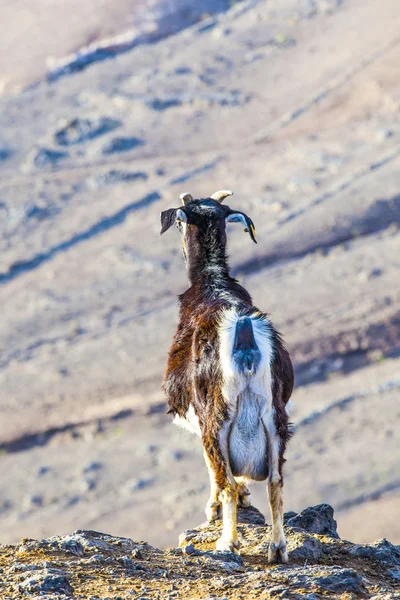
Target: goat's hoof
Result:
[[226, 545], [277, 553], [213, 511]]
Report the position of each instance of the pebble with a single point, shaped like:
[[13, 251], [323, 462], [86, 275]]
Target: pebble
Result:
[[93, 467], [134, 485], [122, 144], [189, 549]]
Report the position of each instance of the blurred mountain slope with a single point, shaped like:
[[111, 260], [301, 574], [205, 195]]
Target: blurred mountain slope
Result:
[[295, 106]]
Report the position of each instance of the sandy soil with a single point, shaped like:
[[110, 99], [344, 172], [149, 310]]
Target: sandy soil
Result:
[[296, 111]]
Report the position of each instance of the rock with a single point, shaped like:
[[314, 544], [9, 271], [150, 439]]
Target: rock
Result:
[[41, 157], [122, 144], [77, 131], [318, 566], [92, 467], [252, 515], [178, 454], [43, 470], [160, 104], [381, 551], [188, 549], [73, 545], [316, 519], [303, 547], [40, 213], [186, 536], [134, 485], [48, 580], [34, 501], [342, 580]]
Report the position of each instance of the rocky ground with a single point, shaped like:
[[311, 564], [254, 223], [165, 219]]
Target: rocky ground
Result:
[[295, 106], [91, 565]]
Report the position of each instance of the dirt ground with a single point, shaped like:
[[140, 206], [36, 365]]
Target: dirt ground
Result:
[[294, 105]]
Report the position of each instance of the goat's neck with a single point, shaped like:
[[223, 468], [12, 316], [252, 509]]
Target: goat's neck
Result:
[[206, 258]]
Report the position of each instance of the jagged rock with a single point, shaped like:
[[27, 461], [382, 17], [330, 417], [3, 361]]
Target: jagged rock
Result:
[[316, 519], [340, 581], [381, 550], [93, 566], [48, 580], [303, 547]]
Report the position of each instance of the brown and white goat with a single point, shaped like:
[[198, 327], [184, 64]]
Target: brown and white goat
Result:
[[228, 376]]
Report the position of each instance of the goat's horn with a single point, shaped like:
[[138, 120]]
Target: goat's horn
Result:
[[219, 196], [186, 198]]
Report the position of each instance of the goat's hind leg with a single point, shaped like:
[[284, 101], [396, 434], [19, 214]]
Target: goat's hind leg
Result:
[[277, 549], [213, 507], [227, 489]]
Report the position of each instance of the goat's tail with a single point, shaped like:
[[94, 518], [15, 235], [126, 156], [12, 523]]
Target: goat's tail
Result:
[[245, 353]]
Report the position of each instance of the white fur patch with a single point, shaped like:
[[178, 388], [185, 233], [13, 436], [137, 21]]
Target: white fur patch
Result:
[[249, 397], [190, 422], [235, 382]]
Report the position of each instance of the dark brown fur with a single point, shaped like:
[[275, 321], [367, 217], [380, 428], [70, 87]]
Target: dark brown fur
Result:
[[193, 374]]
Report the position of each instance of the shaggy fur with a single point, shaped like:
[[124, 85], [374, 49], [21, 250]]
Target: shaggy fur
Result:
[[228, 376]]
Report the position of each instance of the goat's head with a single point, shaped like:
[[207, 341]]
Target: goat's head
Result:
[[205, 219]]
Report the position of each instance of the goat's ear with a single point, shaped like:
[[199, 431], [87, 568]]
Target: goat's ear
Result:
[[167, 219], [239, 217], [170, 216]]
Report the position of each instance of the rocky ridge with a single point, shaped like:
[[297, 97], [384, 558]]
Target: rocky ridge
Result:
[[91, 565], [293, 104]]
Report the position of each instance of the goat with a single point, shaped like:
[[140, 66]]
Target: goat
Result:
[[228, 377]]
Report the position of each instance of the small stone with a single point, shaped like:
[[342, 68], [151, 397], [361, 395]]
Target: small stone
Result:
[[122, 144], [93, 467], [189, 549], [35, 500], [43, 470], [160, 104], [134, 485], [178, 454]]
